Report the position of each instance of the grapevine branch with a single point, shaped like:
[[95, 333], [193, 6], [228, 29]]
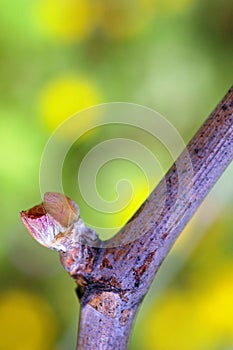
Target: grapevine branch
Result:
[[114, 276]]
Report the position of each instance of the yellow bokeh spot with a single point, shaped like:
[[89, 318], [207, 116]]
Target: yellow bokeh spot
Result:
[[200, 318], [216, 308], [67, 20], [64, 97], [26, 322], [170, 326]]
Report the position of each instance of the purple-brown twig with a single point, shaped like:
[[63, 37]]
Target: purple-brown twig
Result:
[[114, 276]]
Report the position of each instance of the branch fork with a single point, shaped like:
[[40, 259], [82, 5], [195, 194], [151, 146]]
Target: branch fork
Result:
[[114, 276]]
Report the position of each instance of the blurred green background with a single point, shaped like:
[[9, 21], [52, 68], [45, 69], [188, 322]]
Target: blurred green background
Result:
[[58, 57]]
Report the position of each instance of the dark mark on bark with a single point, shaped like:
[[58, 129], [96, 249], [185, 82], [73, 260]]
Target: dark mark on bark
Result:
[[105, 264], [124, 316], [142, 269]]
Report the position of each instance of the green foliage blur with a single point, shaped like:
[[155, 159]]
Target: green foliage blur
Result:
[[58, 57]]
